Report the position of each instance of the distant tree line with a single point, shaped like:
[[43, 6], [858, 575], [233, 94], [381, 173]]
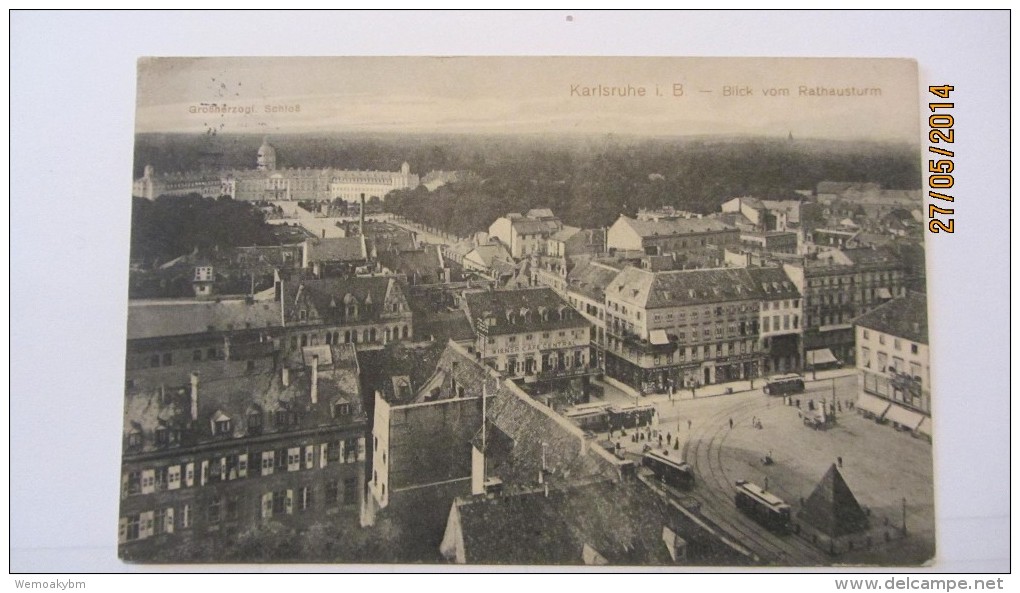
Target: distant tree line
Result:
[[171, 226], [590, 186]]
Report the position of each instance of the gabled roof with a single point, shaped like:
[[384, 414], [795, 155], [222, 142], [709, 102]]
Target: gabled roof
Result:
[[542, 439], [326, 299], [491, 252], [684, 287], [905, 317], [521, 310], [591, 279], [832, 508], [565, 233]]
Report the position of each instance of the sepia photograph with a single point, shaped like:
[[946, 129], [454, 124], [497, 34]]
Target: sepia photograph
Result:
[[552, 311], [341, 298]]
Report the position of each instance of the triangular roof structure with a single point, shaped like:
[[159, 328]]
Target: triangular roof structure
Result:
[[832, 508]]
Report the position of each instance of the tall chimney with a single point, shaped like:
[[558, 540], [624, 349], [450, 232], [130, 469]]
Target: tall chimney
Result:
[[315, 378], [285, 376], [194, 396], [361, 226]]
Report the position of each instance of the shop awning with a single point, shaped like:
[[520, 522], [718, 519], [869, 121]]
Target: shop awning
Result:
[[822, 356], [925, 427], [904, 417], [835, 327], [870, 403], [658, 337]]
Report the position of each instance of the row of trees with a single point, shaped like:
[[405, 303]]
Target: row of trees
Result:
[[591, 185], [171, 226]]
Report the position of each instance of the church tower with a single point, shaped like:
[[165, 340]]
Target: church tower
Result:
[[266, 158]]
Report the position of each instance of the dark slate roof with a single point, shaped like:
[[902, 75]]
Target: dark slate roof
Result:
[[623, 522], [338, 249], [421, 266], [873, 257], [591, 279], [905, 317], [530, 309], [832, 508], [457, 368], [159, 318], [685, 287], [324, 299], [236, 397], [542, 438], [774, 283], [527, 226]]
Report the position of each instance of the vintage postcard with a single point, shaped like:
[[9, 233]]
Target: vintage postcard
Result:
[[531, 311]]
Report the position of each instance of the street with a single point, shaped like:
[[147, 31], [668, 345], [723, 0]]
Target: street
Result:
[[881, 466]]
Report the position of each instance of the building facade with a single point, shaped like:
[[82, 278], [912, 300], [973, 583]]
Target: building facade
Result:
[[368, 311], [661, 237], [893, 360], [839, 286], [216, 457], [530, 334], [681, 329], [268, 182]]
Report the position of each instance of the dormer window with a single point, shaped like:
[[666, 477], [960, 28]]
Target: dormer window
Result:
[[223, 427], [162, 436], [255, 422], [302, 315], [135, 439], [342, 409]]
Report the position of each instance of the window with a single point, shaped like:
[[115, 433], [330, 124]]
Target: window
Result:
[[154, 360], [896, 343], [765, 325], [210, 353], [196, 355], [304, 500], [213, 510], [134, 482], [135, 440], [881, 339], [223, 427], [913, 348], [168, 359], [332, 493], [279, 502], [133, 524], [250, 366], [866, 357], [232, 509], [350, 491], [255, 422]]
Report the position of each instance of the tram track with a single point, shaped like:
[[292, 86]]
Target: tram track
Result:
[[704, 451]]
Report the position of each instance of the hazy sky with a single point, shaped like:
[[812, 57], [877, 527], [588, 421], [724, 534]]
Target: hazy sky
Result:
[[527, 95]]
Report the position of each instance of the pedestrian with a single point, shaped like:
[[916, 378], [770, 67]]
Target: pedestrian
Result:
[[689, 423], [839, 461], [660, 440], [669, 437], [731, 422]]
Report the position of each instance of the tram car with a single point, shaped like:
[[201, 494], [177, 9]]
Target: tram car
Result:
[[784, 385], [674, 472], [630, 416], [764, 507], [592, 417]]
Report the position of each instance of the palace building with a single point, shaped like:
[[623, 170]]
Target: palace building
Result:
[[267, 182]]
